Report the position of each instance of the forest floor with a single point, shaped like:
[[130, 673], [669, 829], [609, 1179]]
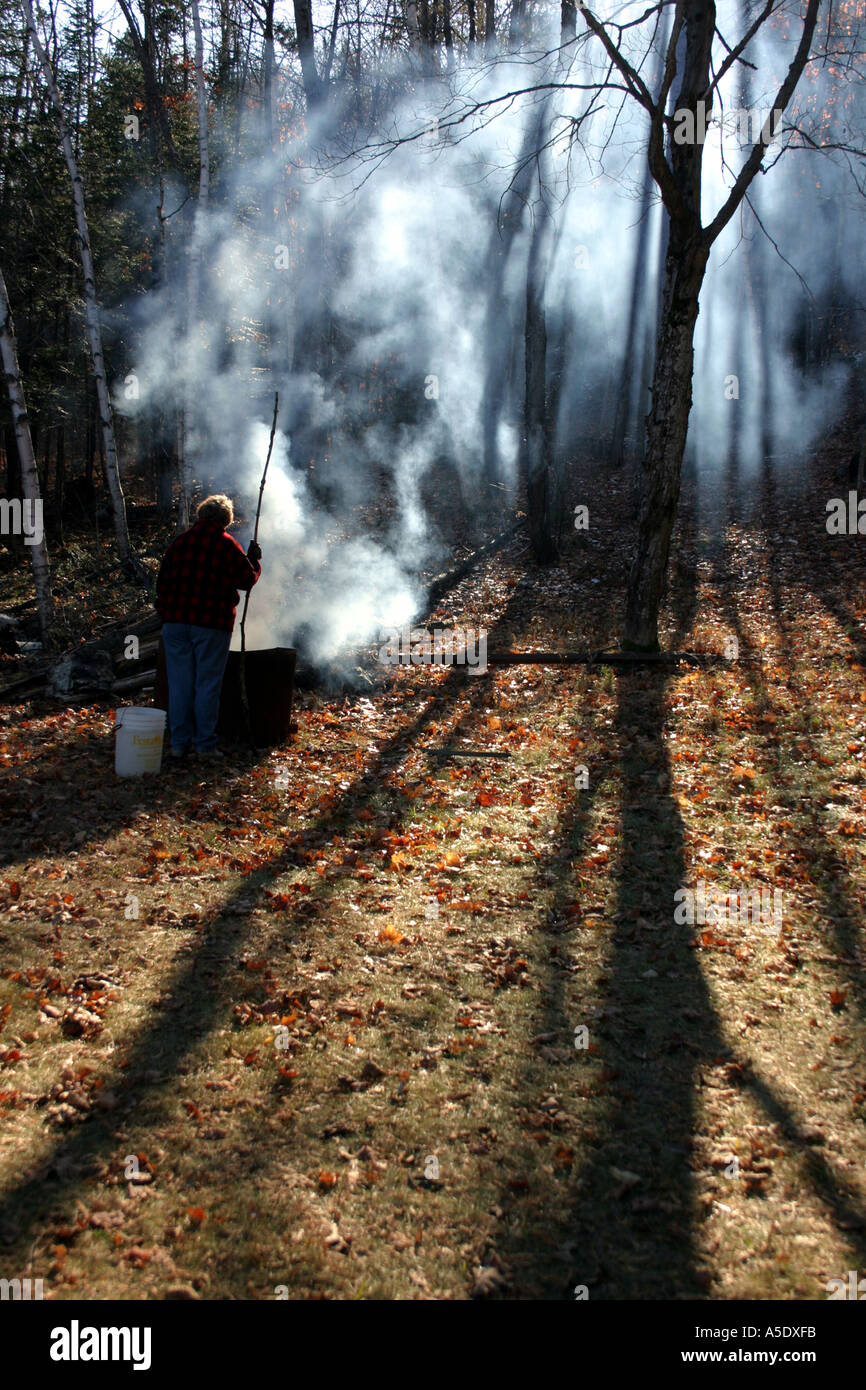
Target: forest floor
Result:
[[310, 1024]]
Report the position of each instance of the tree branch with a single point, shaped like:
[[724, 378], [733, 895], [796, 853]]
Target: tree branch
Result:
[[753, 163]]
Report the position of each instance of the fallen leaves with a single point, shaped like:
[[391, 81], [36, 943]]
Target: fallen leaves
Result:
[[519, 962], [79, 1022], [370, 1075], [336, 1241]]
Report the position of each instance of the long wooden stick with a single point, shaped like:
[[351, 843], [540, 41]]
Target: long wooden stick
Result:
[[243, 673]]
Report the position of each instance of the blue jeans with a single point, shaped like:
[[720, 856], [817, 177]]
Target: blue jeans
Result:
[[195, 660]]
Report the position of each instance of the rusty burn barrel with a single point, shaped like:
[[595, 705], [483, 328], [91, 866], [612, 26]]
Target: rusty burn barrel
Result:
[[270, 689]]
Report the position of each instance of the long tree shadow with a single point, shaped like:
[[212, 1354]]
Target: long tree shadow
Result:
[[632, 1226], [816, 844], [635, 1239], [641, 1069], [638, 1242], [192, 1002], [633, 1222]]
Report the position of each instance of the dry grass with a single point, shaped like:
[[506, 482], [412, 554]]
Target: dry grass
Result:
[[429, 1129]]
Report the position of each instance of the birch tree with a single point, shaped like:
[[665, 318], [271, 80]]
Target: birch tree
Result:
[[91, 305], [29, 473]]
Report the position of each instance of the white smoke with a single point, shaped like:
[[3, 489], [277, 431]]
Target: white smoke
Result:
[[403, 254]]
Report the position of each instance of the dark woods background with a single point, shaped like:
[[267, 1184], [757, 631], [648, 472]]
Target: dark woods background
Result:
[[444, 232]]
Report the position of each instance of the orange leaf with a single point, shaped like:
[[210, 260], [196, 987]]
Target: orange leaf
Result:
[[390, 935]]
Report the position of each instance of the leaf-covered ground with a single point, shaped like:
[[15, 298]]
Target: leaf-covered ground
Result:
[[312, 1024]]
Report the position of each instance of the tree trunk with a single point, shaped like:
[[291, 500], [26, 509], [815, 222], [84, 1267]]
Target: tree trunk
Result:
[[631, 402], [11, 123], [536, 442], [90, 443], [13, 463], [307, 52], [144, 45], [666, 437], [517, 27], [537, 460], [193, 335], [490, 25], [499, 332], [27, 461], [448, 35], [568, 21], [60, 473], [201, 107], [629, 384], [94, 331]]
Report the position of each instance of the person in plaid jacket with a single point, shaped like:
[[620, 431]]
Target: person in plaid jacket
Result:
[[197, 597]]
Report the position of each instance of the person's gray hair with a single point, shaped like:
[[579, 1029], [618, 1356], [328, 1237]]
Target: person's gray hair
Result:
[[217, 509]]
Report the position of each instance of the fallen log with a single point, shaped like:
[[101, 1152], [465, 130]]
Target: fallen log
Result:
[[146, 652], [19, 607], [601, 658], [619, 658], [535, 658], [117, 631], [132, 683], [25, 686]]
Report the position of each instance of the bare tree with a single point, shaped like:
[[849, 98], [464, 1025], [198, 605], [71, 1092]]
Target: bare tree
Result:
[[29, 472], [677, 173], [194, 276], [91, 307], [144, 41]]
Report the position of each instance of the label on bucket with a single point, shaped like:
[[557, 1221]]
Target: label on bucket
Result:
[[139, 742]]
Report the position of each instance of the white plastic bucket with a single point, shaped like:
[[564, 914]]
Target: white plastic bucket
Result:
[[138, 741]]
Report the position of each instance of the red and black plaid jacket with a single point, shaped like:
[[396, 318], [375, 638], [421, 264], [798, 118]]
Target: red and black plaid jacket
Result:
[[199, 578]]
